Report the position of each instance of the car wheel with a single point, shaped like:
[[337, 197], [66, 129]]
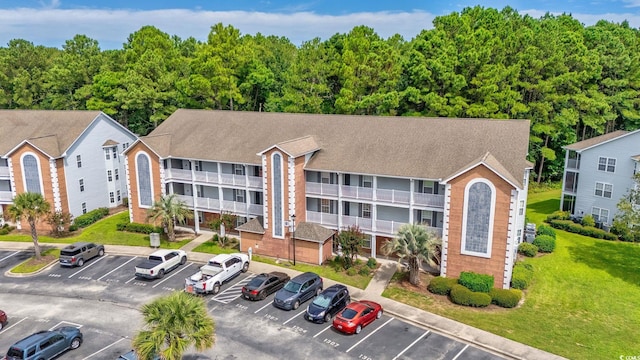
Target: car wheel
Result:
[[262, 295], [1, 325], [101, 252], [183, 260], [348, 301], [296, 305], [80, 262], [216, 289], [379, 314], [75, 343], [358, 329], [318, 291], [161, 274], [245, 267], [327, 317]]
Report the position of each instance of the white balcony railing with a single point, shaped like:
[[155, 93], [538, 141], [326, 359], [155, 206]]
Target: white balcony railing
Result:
[[187, 199], [232, 179], [357, 192], [4, 171], [255, 209], [178, 174], [6, 196], [322, 218], [255, 182], [362, 223], [393, 196], [206, 177], [428, 199], [208, 203], [573, 164], [437, 231], [234, 206], [388, 227], [315, 188]]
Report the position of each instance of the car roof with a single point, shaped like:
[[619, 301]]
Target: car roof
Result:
[[220, 258], [32, 339], [162, 252], [76, 245], [305, 276], [334, 288], [357, 306]]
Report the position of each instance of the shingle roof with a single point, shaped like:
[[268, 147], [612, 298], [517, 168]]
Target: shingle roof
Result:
[[636, 157], [298, 147], [492, 163], [253, 226], [428, 148], [584, 144], [109, 143], [52, 131], [313, 232]]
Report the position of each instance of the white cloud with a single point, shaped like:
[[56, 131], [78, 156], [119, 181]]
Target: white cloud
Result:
[[111, 28], [591, 19], [632, 3]]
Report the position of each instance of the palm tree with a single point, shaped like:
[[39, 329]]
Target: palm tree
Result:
[[415, 244], [170, 211], [31, 207], [173, 323]]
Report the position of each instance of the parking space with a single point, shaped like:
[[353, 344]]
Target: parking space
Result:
[[9, 259]]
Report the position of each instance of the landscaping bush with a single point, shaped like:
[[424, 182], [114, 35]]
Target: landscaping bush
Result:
[[588, 221], [527, 249], [462, 296], [590, 231], [441, 285], [546, 230], [92, 216], [73, 227], [545, 243], [559, 215], [506, 298], [352, 271], [138, 228], [364, 271], [4, 231], [476, 282], [371, 263], [521, 276]]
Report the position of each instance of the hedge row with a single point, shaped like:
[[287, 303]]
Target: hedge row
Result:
[[462, 296], [139, 228], [527, 249], [521, 276], [476, 282], [545, 243], [570, 226], [558, 215], [507, 298], [546, 230], [92, 216], [441, 285]]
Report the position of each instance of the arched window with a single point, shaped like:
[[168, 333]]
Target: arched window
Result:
[[145, 187], [31, 173], [477, 221], [277, 195]]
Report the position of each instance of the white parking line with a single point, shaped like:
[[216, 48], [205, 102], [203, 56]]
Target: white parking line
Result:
[[65, 322], [130, 280], [14, 324], [86, 267], [413, 343], [103, 276], [231, 293], [262, 308], [323, 330], [293, 317], [461, 351], [103, 349], [172, 275], [8, 256], [366, 337]]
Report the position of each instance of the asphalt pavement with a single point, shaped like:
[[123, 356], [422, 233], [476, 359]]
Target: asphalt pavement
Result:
[[465, 333]]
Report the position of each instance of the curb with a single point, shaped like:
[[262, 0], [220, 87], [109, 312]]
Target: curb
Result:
[[8, 273]]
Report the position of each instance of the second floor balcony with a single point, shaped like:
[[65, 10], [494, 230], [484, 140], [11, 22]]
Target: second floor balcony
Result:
[[209, 177], [4, 171], [383, 227], [6, 196], [215, 205]]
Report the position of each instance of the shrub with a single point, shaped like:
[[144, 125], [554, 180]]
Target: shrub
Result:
[[591, 231], [521, 276], [138, 228], [364, 271], [73, 227], [545, 243], [4, 231], [558, 215], [352, 271], [506, 298], [546, 230], [462, 296], [527, 249], [588, 221], [371, 263], [476, 282], [441, 285], [92, 216]]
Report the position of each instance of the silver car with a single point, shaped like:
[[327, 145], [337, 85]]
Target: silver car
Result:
[[78, 253]]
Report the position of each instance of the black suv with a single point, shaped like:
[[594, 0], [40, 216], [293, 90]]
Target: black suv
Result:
[[77, 253], [45, 345], [328, 303], [298, 290]]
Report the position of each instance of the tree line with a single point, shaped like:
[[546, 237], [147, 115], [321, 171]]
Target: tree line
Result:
[[572, 81]]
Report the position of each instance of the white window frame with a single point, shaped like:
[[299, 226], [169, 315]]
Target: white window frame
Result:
[[327, 206], [325, 178], [366, 211], [81, 184], [107, 154], [115, 173], [79, 161], [119, 195], [109, 176], [238, 169], [238, 196], [367, 179], [112, 198], [607, 164], [24, 175], [596, 212], [366, 244], [135, 159], [491, 219], [521, 208], [603, 191]]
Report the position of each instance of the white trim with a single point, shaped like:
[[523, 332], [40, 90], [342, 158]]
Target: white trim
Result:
[[55, 185], [482, 162], [140, 152], [282, 200], [321, 247], [291, 185], [445, 230], [606, 164], [601, 143], [129, 202], [492, 210], [265, 197], [512, 239], [24, 178]]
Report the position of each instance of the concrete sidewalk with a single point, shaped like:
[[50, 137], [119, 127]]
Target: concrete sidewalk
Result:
[[499, 345]]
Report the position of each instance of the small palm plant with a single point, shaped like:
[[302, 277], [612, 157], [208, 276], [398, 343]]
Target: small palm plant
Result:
[[170, 211], [30, 207], [415, 244]]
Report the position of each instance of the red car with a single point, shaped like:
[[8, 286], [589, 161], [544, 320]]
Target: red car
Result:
[[3, 319], [357, 315]]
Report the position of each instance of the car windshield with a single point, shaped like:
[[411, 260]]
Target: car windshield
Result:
[[69, 252], [257, 281], [322, 301], [215, 264], [349, 313], [292, 286]]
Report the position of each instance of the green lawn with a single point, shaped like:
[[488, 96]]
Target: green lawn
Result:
[[102, 232], [211, 247], [584, 302]]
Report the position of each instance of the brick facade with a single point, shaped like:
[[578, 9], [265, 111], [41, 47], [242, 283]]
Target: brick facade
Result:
[[139, 214]]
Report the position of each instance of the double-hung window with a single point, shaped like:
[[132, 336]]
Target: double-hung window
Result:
[[109, 176], [606, 164], [603, 190], [600, 215], [79, 161], [81, 183]]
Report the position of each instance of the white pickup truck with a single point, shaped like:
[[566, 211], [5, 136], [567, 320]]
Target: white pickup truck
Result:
[[219, 269], [160, 263]]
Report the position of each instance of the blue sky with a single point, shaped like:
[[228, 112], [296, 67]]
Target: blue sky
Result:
[[51, 22]]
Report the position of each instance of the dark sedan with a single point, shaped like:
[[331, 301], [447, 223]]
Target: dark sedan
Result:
[[264, 284], [328, 303]]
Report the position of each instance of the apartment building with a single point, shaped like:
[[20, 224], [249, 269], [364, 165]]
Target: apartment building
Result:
[[73, 158], [294, 180], [598, 172]]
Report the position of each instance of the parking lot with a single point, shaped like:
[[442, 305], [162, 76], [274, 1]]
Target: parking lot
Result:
[[385, 338]]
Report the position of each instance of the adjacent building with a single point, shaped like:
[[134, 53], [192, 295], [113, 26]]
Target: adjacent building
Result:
[[73, 158], [598, 172], [293, 180]]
